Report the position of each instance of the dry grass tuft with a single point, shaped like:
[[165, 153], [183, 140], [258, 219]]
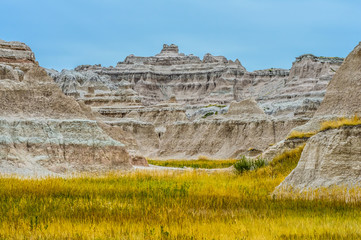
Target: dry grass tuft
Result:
[[298, 134], [354, 121], [326, 125]]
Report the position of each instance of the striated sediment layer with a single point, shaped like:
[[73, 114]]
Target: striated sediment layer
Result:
[[163, 101], [42, 131]]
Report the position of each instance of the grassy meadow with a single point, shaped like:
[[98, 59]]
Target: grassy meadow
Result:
[[171, 205]]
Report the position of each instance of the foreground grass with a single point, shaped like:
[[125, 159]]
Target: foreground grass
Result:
[[171, 205], [200, 163]]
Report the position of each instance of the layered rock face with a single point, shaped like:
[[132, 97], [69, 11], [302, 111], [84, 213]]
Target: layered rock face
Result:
[[329, 158], [156, 99], [332, 157], [43, 131], [244, 130], [171, 75]]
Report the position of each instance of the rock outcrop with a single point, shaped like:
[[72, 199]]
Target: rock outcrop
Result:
[[42, 131], [171, 75], [332, 157], [329, 158], [155, 98]]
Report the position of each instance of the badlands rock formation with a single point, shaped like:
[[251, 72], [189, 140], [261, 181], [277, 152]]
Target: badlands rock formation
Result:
[[42, 131], [244, 130], [187, 79], [333, 157], [165, 102]]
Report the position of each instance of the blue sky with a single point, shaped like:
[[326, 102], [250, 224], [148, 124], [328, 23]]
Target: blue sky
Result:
[[260, 33]]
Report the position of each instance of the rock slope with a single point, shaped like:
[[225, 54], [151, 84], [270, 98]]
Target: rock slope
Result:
[[42, 131], [332, 157]]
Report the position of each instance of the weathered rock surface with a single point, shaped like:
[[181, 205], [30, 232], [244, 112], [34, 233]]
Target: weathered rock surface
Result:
[[187, 79], [43, 131], [172, 91], [332, 157], [329, 158]]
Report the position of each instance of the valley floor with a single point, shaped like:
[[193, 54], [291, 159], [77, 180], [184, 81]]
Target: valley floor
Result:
[[169, 205]]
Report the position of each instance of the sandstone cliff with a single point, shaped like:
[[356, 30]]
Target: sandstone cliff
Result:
[[42, 130]]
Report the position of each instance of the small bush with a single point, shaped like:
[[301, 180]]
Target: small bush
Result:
[[245, 164], [260, 162]]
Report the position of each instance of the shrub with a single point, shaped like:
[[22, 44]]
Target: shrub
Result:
[[245, 164], [260, 162]]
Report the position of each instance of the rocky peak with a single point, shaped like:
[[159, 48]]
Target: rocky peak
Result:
[[209, 58], [319, 59], [16, 53], [169, 48]]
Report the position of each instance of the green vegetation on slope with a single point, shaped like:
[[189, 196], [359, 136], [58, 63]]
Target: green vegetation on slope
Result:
[[171, 205]]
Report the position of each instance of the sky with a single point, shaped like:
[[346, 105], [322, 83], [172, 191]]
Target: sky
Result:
[[261, 34]]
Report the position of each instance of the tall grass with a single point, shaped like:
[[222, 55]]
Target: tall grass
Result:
[[202, 162], [171, 205]]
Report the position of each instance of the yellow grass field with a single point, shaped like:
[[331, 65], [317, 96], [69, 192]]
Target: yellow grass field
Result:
[[200, 163], [171, 205]]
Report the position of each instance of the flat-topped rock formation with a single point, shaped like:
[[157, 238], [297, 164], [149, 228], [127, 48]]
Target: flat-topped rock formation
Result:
[[42, 131], [16, 54], [333, 157]]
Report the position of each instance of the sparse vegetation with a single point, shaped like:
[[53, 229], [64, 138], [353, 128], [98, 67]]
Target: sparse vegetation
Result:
[[216, 105], [298, 134], [202, 162], [326, 125], [354, 121], [208, 114]]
